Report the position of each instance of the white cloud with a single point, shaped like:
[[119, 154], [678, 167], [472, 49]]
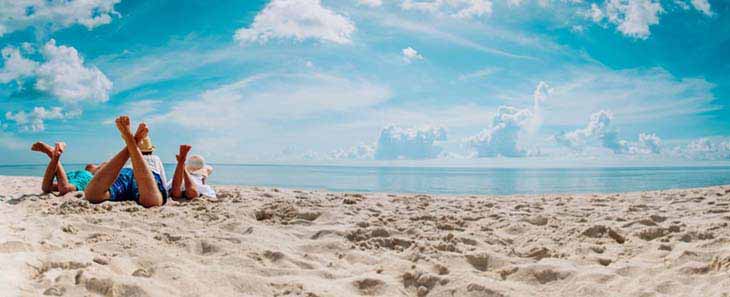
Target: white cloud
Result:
[[19, 14], [596, 13], [15, 66], [633, 17], [34, 120], [703, 6], [704, 148], [600, 133], [410, 54], [275, 97], [359, 152], [397, 142], [464, 9], [297, 19], [62, 74], [479, 74], [502, 138], [635, 96], [371, 3], [598, 130]]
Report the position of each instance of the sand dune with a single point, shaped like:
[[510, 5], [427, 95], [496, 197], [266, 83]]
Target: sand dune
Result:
[[273, 242]]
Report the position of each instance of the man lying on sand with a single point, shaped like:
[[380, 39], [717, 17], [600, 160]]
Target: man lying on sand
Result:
[[189, 180], [65, 181], [113, 182]]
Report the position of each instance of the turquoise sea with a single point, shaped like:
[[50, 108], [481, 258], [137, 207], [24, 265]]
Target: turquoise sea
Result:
[[443, 180]]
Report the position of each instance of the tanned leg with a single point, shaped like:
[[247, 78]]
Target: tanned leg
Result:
[[149, 194], [182, 176], [98, 188], [191, 190], [63, 185], [47, 185], [179, 175]]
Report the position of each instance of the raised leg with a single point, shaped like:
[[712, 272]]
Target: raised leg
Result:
[[149, 194], [47, 185], [182, 176], [63, 185], [98, 188]]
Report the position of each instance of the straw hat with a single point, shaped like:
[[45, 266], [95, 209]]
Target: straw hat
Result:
[[196, 165], [146, 145]]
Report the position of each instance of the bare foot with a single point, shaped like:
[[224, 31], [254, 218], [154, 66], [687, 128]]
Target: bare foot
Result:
[[142, 131], [43, 148], [123, 125], [58, 150], [184, 150]]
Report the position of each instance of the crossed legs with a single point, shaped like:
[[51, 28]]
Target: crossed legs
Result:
[[98, 188], [54, 169], [182, 176]]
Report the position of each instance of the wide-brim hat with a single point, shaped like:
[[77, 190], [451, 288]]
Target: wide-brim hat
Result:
[[196, 165], [146, 146]]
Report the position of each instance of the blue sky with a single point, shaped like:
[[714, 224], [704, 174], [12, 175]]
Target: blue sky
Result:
[[457, 81]]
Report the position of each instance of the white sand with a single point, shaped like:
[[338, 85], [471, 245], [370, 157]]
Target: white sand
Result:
[[268, 242]]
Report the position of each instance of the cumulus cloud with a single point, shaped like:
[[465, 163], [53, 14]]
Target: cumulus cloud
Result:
[[703, 6], [397, 142], [704, 148], [502, 138], [299, 20], [359, 152], [34, 120], [464, 9], [410, 54], [371, 3], [633, 18], [15, 66], [61, 74], [64, 75], [600, 133], [20, 14]]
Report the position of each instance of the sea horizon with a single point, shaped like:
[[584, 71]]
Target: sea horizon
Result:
[[448, 180]]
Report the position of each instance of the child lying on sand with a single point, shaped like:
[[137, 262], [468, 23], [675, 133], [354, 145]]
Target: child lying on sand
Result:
[[65, 181], [189, 180]]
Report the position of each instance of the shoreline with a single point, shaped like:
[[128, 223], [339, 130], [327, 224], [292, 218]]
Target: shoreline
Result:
[[257, 241]]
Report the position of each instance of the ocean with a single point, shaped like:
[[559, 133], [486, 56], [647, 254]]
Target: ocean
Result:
[[446, 180]]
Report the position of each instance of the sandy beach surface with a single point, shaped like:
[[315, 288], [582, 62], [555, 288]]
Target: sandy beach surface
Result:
[[254, 241]]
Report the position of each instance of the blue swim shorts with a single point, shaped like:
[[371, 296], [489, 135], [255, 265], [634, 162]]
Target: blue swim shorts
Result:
[[125, 187]]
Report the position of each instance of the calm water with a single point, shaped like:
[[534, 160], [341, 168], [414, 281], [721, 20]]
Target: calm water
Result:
[[450, 180]]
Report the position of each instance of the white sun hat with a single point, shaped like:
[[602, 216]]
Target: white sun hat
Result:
[[196, 165]]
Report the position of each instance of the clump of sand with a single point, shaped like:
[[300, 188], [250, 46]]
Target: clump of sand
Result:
[[254, 241]]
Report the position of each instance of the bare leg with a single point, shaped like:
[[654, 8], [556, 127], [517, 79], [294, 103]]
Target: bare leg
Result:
[[63, 185], [149, 194], [98, 188], [182, 176], [47, 185]]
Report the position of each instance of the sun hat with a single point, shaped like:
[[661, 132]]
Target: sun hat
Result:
[[196, 165], [145, 145]]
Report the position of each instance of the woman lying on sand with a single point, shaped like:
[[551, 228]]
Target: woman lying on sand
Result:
[[189, 180], [65, 181], [113, 182]]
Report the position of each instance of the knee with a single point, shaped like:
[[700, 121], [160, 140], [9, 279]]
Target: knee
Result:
[[151, 201], [93, 196], [66, 189], [191, 193], [177, 193]]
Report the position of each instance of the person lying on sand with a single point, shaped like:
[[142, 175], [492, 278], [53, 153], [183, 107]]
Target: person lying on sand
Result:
[[65, 181], [189, 180], [113, 182]]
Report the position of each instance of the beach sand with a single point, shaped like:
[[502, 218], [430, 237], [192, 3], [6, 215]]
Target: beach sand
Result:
[[253, 241]]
